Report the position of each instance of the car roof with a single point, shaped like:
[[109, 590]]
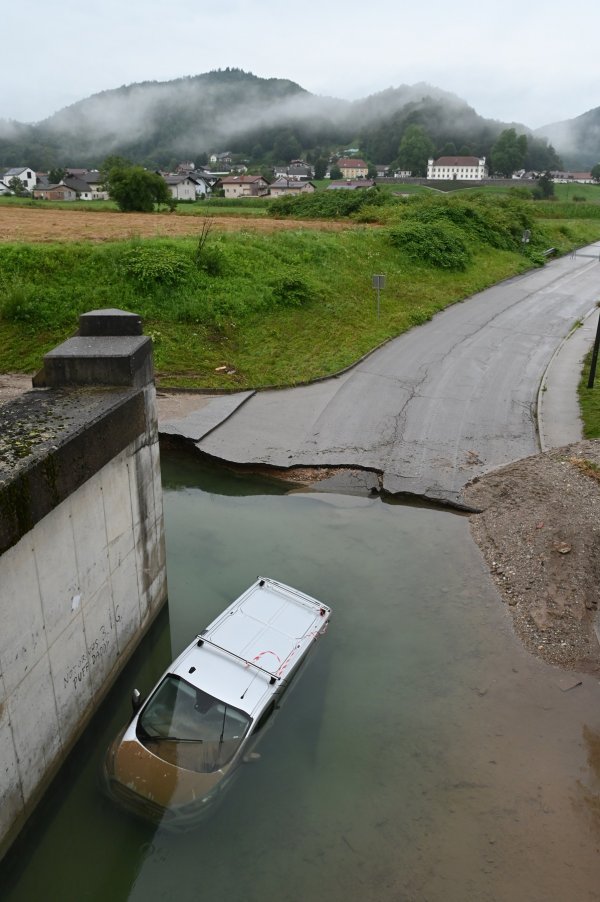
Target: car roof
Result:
[[241, 657]]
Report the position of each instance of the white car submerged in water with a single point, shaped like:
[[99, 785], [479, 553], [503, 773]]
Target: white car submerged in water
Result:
[[204, 716]]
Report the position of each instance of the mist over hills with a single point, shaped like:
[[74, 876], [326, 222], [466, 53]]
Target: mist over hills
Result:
[[159, 123], [578, 139]]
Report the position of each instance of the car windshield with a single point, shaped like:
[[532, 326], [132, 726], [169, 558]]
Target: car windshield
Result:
[[189, 727]]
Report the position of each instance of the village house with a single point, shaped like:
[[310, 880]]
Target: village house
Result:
[[79, 185], [353, 168], [26, 176], [284, 187], [182, 187], [244, 186], [95, 187], [581, 178], [204, 181], [55, 192], [461, 169], [297, 169], [221, 158]]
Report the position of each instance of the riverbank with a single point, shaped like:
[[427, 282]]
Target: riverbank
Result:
[[539, 531]]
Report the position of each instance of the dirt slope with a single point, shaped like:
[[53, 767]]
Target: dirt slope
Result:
[[539, 531]]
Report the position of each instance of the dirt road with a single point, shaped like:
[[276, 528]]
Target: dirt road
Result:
[[41, 224]]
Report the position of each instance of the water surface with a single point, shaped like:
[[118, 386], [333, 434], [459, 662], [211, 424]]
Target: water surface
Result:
[[422, 755]]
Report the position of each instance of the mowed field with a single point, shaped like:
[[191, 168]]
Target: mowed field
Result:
[[39, 224]]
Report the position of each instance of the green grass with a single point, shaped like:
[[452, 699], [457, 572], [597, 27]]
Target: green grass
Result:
[[279, 308], [589, 401], [95, 206]]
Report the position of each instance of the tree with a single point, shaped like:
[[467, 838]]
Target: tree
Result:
[[595, 172], [320, 168], [335, 172], [415, 149], [449, 150], [541, 156], [17, 187], [545, 187], [56, 175], [134, 188], [509, 152], [286, 147]]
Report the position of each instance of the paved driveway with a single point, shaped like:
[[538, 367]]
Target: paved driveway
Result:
[[444, 402]]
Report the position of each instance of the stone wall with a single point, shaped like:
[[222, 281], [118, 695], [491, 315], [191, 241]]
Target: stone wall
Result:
[[82, 557]]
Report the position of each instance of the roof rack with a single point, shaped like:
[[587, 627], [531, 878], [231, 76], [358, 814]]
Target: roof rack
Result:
[[272, 676]]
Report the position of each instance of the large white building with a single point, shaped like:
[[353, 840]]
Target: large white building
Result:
[[460, 169]]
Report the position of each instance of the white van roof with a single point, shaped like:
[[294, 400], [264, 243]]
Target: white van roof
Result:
[[253, 644]]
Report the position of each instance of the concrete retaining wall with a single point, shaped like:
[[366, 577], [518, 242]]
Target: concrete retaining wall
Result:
[[82, 565]]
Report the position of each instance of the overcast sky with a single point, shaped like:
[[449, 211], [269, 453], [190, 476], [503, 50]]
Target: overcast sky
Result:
[[532, 62]]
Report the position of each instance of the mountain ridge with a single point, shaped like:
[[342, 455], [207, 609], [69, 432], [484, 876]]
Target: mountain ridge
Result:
[[156, 122]]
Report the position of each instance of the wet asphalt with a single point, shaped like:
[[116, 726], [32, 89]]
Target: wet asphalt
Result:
[[489, 380]]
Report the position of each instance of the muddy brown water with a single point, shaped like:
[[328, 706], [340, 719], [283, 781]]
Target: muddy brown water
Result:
[[423, 755]]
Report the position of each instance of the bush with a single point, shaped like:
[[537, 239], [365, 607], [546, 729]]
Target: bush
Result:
[[329, 204], [499, 222], [441, 245], [150, 266], [291, 290]]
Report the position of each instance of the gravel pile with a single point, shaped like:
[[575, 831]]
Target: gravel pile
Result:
[[539, 530]]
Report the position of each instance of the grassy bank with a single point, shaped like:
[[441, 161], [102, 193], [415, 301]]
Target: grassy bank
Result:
[[247, 309], [589, 401]]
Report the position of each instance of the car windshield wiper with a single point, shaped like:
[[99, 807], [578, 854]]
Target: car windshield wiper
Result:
[[171, 739]]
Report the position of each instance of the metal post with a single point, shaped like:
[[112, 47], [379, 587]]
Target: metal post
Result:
[[378, 283], [592, 375]]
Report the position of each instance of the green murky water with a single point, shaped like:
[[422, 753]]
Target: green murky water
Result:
[[422, 756]]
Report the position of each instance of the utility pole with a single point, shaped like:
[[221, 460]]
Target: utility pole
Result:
[[592, 375]]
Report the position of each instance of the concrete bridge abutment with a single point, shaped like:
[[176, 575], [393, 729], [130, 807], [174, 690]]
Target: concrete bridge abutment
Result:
[[82, 552]]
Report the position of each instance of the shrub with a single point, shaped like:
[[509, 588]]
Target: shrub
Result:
[[21, 304], [150, 266], [441, 245], [520, 192], [209, 259], [499, 223], [329, 204], [291, 290]]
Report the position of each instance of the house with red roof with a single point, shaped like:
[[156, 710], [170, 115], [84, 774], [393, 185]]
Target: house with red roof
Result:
[[353, 168]]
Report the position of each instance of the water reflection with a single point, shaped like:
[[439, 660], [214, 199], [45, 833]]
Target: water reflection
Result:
[[422, 755]]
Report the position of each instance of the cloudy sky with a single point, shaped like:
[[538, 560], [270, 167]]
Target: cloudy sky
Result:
[[533, 62]]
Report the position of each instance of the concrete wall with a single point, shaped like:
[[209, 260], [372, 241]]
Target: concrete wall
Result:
[[82, 568]]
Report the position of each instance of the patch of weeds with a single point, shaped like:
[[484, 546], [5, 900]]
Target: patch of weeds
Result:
[[587, 467], [441, 245]]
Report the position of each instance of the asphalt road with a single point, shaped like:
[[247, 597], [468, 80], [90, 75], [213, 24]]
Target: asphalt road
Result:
[[437, 406]]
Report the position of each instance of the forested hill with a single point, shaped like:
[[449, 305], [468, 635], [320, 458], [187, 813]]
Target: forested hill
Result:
[[578, 139], [264, 120]]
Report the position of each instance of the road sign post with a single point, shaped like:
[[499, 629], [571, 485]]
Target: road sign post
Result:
[[378, 284]]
